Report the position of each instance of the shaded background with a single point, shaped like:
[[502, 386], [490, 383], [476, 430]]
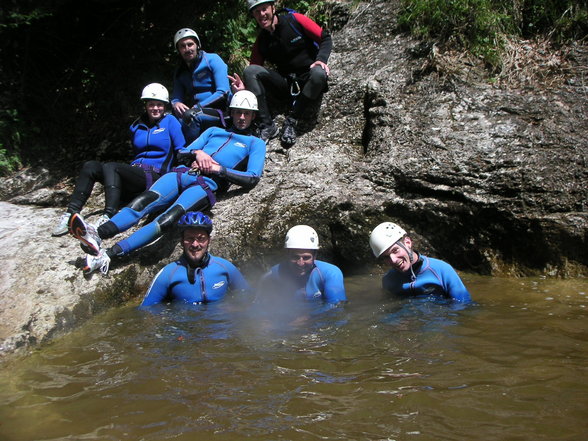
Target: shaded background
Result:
[[72, 72]]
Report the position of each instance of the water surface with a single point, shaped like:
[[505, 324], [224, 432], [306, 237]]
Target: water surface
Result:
[[513, 366]]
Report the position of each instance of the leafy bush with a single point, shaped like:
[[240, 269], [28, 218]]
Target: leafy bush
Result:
[[481, 26], [316, 10], [233, 39], [561, 19], [11, 141]]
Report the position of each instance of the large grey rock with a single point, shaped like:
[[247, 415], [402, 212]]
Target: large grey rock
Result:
[[491, 179]]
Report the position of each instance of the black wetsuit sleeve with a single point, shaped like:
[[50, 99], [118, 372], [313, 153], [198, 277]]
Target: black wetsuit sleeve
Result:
[[238, 178], [325, 47]]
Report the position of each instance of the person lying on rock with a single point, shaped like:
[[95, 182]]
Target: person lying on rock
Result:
[[201, 86], [197, 277], [156, 137], [218, 158], [300, 49], [412, 273], [301, 275]]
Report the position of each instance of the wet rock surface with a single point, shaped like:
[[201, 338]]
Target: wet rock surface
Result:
[[491, 179]]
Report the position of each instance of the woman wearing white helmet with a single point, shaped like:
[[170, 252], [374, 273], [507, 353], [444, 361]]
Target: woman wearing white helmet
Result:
[[412, 273], [155, 136], [301, 275], [218, 158], [201, 86]]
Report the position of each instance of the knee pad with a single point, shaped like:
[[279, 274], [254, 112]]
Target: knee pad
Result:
[[141, 201], [253, 70], [190, 116], [170, 217], [316, 84]]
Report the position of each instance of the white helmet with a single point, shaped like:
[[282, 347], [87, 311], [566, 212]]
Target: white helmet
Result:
[[185, 33], [244, 99], [253, 3], [384, 236], [302, 237], [155, 91]]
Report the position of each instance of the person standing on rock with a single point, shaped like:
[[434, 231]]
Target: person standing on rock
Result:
[[156, 137], [218, 158], [412, 273], [201, 87], [197, 277], [301, 275], [300, 49]]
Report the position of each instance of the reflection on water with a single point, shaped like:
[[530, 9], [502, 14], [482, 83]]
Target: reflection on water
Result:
[[510, 367]]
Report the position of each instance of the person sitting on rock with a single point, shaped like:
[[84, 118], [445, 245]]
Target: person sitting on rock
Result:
[[156, 136], [300, 49], [197, 277], [201, 87], [219, 157], [301, 274], [412, 273]]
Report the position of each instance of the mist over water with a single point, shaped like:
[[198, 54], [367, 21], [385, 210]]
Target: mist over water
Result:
[[511, 366]]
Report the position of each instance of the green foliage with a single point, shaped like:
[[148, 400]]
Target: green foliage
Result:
[[481, 26], [316, 10], [13, 129], [229, 30], [10, 141], [15, 19], [562, 20], [8, 162], [476, 25]]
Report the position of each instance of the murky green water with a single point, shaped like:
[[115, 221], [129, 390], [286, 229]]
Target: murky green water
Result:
[[512, 367]]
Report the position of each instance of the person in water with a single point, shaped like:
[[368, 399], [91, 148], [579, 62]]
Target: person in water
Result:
[[219, 157], [197, 277], [156, 137], [201, 86], [299, 49], [412, 273], [301, 274]]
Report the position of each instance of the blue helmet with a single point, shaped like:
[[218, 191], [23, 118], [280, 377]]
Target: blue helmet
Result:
[[195, 219]]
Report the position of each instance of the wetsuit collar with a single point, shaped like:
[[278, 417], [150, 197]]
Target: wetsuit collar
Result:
[[248, 131], [203, 263], [285, 272], [418, 264], [144, 119], [196, 60]]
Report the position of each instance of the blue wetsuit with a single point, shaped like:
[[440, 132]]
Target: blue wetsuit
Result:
[[241, 157], [325, 282], [433, 277], [178, 281], [155, 146], [204, 84]]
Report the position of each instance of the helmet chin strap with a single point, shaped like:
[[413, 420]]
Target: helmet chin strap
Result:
[[410, 254]]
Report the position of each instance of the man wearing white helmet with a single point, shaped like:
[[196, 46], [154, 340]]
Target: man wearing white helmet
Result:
[[412, 273], [156, 136], [300, 274], [201, 86], [300, 49], [217, 158]]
